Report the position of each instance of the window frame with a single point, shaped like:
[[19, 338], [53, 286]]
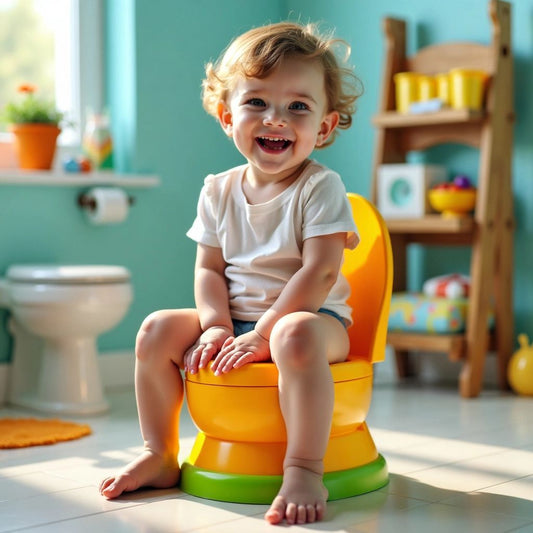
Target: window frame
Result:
[[90, 55], [88, 75]]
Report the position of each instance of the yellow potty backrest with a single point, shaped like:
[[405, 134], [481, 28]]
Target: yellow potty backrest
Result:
[[369, 271]]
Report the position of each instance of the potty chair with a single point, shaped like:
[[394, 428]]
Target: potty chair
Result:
[[239, 451]]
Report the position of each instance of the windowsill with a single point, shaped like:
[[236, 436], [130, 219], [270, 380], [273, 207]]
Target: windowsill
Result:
[[76, 179], [10, 174]]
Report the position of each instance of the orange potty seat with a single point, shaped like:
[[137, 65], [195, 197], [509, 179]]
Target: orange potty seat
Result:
[[239, 451]]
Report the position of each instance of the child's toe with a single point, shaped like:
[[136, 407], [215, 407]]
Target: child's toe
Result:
[[276, 513]]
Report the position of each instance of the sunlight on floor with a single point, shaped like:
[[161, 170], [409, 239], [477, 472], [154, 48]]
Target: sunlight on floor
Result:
[[464, 465]]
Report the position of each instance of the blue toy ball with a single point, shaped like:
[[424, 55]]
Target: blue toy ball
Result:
[[71, 165]]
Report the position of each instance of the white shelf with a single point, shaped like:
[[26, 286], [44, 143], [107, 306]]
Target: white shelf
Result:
[[76, 179]]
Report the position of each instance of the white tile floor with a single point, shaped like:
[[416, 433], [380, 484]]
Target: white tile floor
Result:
[[456, 465]]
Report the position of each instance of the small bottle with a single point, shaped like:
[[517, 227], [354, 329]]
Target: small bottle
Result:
[[97, 141]]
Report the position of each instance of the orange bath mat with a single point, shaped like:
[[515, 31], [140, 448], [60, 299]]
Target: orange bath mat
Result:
[[21, 432]]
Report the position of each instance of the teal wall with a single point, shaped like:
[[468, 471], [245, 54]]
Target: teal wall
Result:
[[155, 57]]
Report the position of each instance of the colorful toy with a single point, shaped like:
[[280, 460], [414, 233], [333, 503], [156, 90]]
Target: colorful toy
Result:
[[455, 198], [448, 286], [520, 369], [71, 165], [462, 182], [97, 142], [238, 453], [77, 164], [85, 164]]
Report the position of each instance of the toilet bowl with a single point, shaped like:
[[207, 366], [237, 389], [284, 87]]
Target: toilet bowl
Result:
[[58, 311]]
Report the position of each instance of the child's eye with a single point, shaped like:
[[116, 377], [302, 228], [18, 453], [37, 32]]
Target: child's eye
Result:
[[299, 106], [255, 102]]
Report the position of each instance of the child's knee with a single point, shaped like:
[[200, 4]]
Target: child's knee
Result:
[[151, 335], [295, 340]]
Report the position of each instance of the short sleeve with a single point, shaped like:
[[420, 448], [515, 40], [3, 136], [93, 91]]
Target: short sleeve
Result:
[[203, 229], [327, 209]]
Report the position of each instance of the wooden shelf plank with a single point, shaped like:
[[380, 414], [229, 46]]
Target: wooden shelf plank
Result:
[[454, 344], [431, 224], [392, 119]]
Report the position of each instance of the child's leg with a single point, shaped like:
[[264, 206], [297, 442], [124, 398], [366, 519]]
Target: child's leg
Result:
[[302, 346], [161, 343]]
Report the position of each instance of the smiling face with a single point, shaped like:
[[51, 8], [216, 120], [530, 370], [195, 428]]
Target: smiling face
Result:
[[277, 121]]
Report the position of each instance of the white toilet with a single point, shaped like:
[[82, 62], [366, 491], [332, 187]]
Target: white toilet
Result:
[[58, 311]]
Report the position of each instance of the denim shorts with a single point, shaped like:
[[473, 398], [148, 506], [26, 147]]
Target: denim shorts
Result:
[[243, 326]]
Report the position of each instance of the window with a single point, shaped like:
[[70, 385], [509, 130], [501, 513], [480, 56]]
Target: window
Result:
[[55, 45]]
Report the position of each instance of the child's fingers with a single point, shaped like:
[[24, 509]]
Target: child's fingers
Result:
[[244, 359], [230, 361], [228, 342], [216, 362], [248, 357], [193, 358], [227, 347], [207, 354], [221, 362]]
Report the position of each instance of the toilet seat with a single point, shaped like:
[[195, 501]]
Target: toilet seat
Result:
[[68, 274], [58, 312]]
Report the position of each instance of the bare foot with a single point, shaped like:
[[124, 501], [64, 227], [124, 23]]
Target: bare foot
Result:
[[148, 470], [301, 499]]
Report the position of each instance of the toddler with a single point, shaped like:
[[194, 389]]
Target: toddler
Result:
[[270, 239]]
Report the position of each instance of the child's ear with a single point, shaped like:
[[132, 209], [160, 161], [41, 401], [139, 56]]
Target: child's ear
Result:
[[327, 126], [225, 118]]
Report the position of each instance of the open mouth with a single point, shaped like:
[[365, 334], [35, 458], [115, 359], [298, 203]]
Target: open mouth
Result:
[[273, 144]]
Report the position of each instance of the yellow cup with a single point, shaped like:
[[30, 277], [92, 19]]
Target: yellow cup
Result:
[[467, 87], [427, 88], [443, 88], [406, 85]]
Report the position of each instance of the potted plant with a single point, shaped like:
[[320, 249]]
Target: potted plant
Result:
[[35, 124]]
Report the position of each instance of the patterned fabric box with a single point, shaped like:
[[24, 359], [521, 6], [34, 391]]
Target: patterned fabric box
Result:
[[417, 313]]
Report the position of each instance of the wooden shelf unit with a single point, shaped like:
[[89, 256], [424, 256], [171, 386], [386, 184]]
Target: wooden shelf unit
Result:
[[489, 232]]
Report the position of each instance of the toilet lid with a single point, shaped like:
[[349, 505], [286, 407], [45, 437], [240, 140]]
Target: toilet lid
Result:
[[65, 274]]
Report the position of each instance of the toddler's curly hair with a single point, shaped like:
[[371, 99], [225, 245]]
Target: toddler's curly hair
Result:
[[256, 53]]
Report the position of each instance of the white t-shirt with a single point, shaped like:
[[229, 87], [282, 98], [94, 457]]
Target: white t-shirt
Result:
[[262, 243]]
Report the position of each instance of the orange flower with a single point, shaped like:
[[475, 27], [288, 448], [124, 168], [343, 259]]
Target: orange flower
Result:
[[27, 88]]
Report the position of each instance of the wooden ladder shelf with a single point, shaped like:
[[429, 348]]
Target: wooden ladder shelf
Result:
[[490, 231]]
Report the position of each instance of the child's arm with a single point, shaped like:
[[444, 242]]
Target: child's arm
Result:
[[308, 288], [211, 288], [212, 303], [305, 291]]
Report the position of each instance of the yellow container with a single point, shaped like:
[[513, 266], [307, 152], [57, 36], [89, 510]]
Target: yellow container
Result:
[[467, 88], [453, 203], [406, 85], [443, 88], [427, 88]]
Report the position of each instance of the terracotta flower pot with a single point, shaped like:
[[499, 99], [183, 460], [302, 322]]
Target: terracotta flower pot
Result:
[[35, 145]]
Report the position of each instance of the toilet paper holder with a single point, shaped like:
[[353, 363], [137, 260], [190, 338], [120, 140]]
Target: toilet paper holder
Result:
[[86, 201]]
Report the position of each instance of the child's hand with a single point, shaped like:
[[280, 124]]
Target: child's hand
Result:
[[238, 351], [205, 348]]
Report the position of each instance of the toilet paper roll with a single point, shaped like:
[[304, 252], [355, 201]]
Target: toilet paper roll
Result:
[[111, 205]]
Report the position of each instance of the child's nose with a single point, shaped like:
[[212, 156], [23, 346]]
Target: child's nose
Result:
[[274, 117]]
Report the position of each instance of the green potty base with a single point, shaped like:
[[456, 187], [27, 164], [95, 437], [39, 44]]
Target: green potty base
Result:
[[243, 488]]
